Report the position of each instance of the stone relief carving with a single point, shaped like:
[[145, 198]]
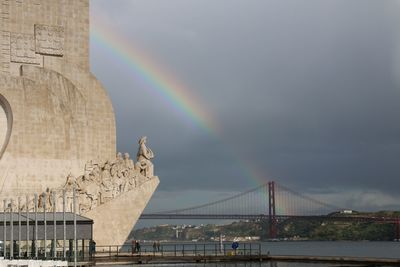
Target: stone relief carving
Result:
[[23, 49], [49, 40], [26, 48]]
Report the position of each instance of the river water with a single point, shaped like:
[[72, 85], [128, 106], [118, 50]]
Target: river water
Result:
[[337, 248], [311, 248]]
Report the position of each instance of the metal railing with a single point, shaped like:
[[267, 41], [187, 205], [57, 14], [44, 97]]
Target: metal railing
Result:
[[42, 254], [178, 250], [13, 250], [88, 253]]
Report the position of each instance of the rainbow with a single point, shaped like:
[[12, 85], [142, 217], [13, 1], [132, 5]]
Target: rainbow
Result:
[[172, 92], [164, 85]]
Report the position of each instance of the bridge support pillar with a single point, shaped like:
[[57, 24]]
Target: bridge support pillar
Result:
[[272, 211]]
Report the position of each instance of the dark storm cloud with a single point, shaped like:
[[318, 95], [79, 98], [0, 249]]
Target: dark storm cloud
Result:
[[306, 90]]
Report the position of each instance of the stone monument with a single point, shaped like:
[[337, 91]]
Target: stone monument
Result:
[[57, 124]]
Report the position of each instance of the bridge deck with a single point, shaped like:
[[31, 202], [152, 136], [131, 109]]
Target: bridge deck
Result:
[[152, 216]]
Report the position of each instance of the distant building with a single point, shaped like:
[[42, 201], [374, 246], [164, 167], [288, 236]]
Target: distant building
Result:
[[347, 211]]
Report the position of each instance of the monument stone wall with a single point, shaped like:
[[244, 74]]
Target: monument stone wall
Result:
[[62, 116], [57, 120]]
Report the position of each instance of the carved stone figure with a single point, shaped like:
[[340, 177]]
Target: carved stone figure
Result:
[[119, 157], [92, 189], [10, 206], [89, 166], [30, 203], [128, 161], [144, 156], [70, 182], [106, 191], [84, 202], [69, 185], [45, 200]]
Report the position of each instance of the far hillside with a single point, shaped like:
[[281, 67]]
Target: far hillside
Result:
[[291, 229]]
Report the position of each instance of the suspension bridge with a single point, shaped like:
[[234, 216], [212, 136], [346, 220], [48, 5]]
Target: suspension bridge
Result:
[[271, 202]]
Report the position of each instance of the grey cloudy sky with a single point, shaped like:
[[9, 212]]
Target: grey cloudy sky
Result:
[[307, 91]]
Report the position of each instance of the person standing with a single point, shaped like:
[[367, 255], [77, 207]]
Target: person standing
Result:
[[154, 247], [235, 246], [92, 248], [137, 246], [133, 246]]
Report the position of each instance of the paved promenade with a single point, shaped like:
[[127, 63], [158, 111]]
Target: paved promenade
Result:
[[158, 259]]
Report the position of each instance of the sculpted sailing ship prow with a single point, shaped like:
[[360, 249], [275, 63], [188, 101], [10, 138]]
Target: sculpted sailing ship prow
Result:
[[103, 182]]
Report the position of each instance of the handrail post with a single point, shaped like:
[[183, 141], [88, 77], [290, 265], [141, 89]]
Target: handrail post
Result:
[[4, 229], [54, 225], [35, 243], [109, 251], [195, 249], [44, 200], [28, 254], [11, 229], [19, 227], [75, 239], [204, 249], [175, 249], [64, 227], [215, 249]]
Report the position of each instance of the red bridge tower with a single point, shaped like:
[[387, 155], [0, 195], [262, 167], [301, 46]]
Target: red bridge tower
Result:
[[271, 210]]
